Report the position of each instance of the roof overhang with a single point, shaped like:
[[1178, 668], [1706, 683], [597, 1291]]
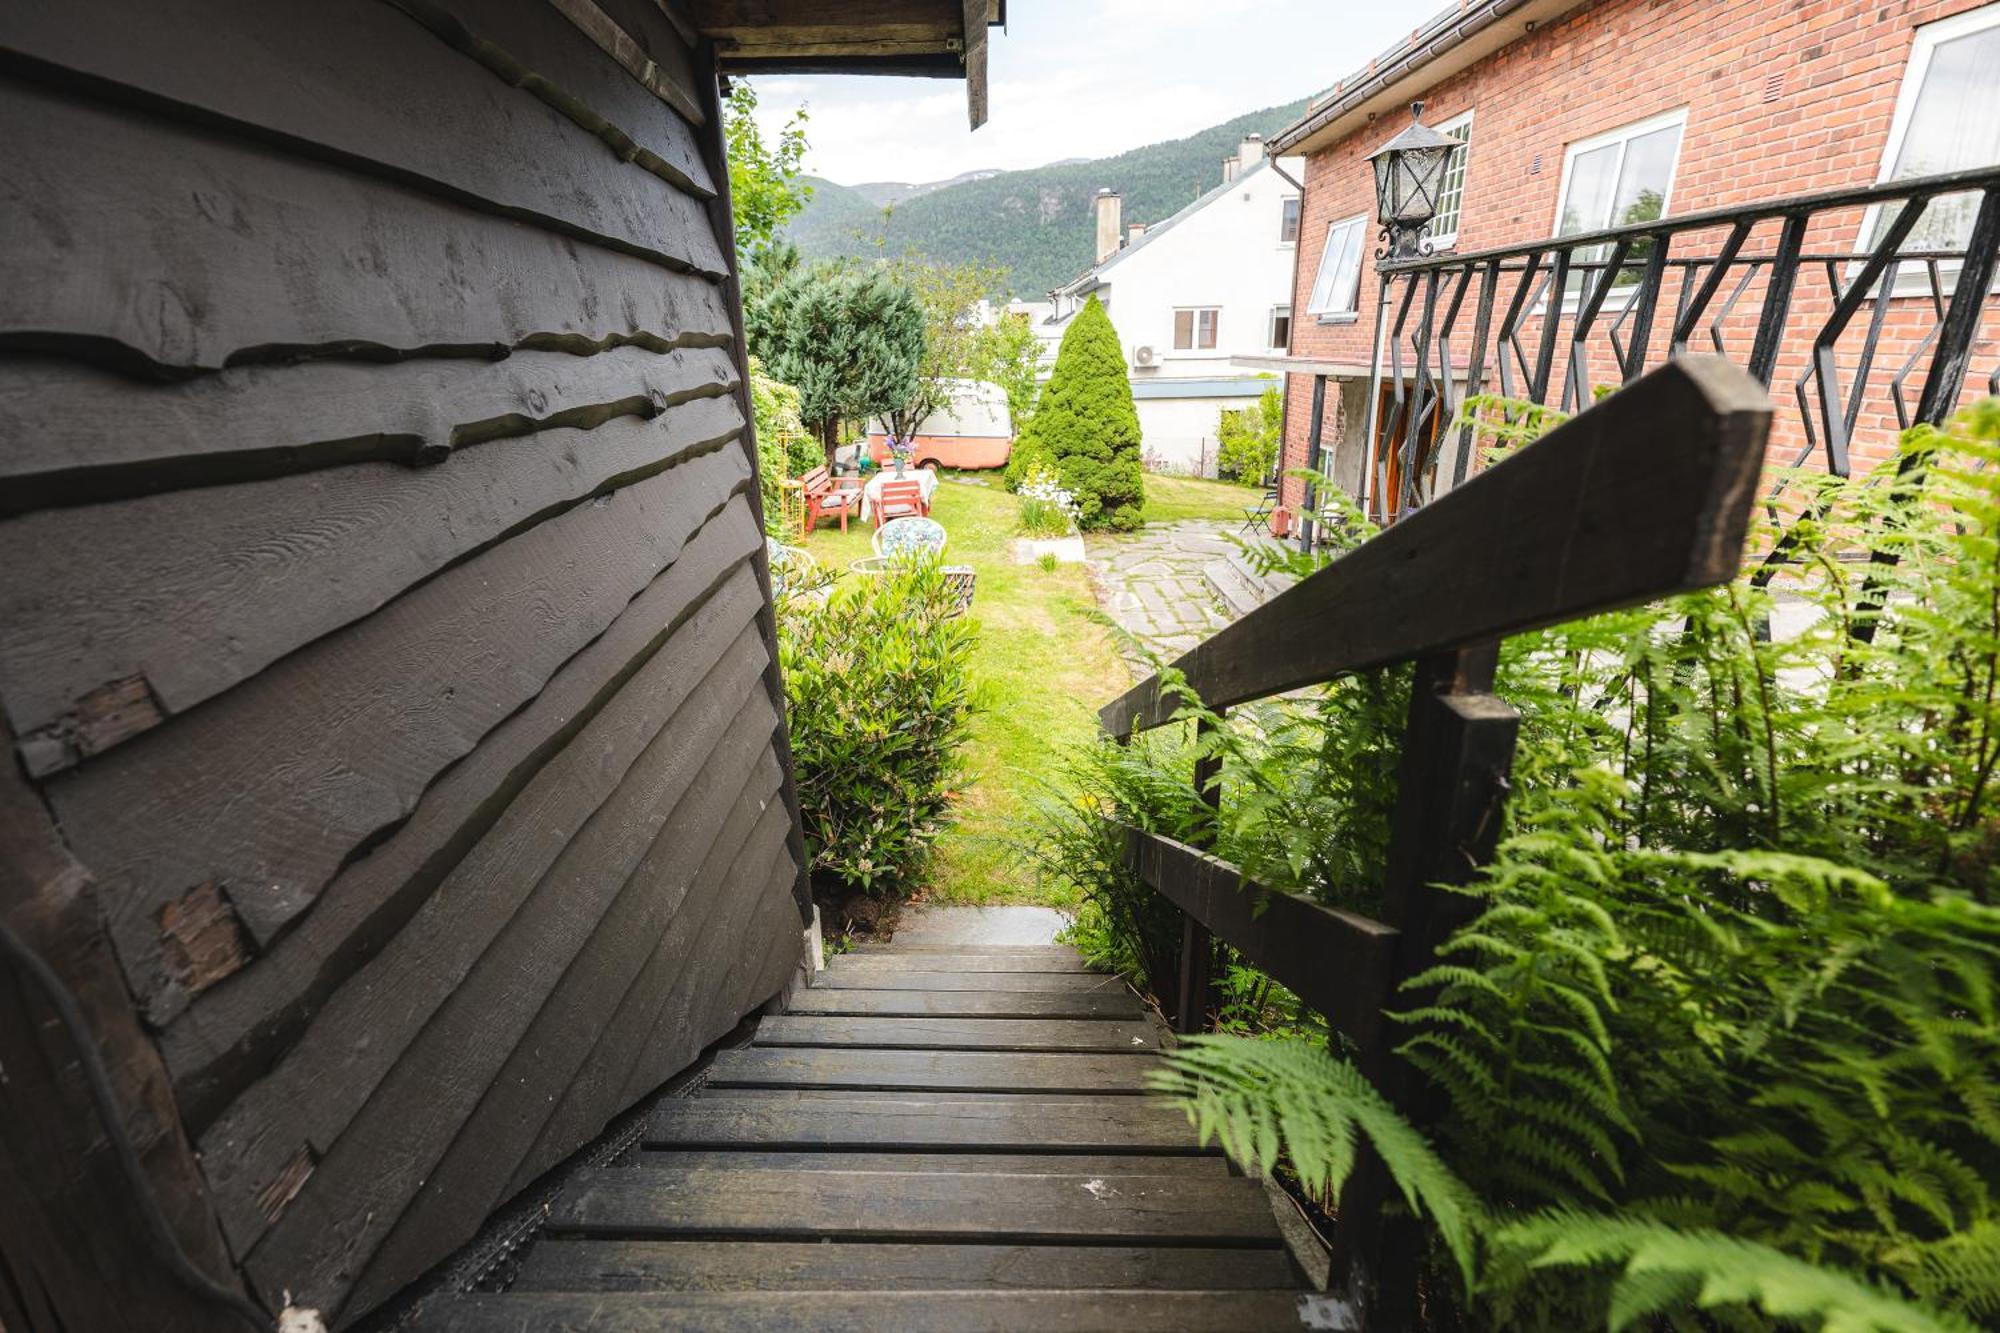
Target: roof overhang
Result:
[[944, 39], [1303, 365], [1459, 37]]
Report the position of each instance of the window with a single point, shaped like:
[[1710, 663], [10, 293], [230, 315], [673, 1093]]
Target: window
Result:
[[1444, 227], [1614, 180], [1621, 177], [1337, 286], [1947, 119], [1281, 326], [1195, 328], [1288, 223]]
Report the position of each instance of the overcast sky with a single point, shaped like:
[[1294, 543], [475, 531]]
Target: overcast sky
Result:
[[1089, 78]]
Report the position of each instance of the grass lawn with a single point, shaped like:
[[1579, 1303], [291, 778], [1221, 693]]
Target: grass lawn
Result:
[[1043, 665], [1172, 499]]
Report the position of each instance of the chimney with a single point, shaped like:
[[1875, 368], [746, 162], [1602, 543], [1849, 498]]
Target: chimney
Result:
[[1109, 206], [1134, 232], [1249, 153], [1229, 166]]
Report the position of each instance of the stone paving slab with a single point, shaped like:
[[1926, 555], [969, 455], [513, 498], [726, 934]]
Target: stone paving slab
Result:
[[1150, 583]]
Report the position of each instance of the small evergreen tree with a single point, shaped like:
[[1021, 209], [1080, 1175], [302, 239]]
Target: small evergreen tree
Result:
[[1088, 427], [849, 340]]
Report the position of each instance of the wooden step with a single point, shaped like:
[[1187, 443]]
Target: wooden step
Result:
[[965, 1004], [638, 1265], [961, 1034], [862, 1312], [998, 950], [1045, 983], [1016, 1163], [995, 1208], [1064, 961], [1109, 1124], [931, 1071], [822, 1095]]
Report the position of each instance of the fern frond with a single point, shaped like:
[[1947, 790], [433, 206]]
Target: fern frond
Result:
[[1663, 1269], [1258, 1098]]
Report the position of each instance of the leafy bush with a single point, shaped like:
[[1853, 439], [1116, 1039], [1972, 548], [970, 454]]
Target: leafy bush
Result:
[[1725, 1033], [1047, 510], [1247, 438], [1028, 453], [878, 686], [783, 447], [1088, 426]]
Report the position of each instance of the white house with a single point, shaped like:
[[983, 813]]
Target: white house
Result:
[[1211, 282]]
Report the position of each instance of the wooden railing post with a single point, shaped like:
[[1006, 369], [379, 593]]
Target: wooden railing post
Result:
[[1197, 945], [1458, 749]]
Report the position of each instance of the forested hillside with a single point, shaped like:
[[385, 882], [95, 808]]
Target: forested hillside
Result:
[[1034, 223]]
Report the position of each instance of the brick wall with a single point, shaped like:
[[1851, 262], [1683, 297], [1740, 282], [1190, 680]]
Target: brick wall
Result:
[[1782, 97]]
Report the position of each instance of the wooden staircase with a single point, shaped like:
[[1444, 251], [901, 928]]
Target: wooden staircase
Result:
[[930, 1138]]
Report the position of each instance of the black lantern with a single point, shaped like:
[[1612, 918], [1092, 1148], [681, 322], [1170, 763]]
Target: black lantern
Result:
[[1409, 177]]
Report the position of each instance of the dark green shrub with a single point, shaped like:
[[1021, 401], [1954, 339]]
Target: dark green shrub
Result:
[[1088, 426], [878, 688]]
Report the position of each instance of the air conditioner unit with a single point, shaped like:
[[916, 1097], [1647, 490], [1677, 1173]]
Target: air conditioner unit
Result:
[[1143, 356]]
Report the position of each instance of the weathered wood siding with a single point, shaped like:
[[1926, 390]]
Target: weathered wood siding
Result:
[[384, 624]]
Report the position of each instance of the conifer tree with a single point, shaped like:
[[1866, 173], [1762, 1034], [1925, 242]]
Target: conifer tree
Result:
[[849, 340], [1087, 426]]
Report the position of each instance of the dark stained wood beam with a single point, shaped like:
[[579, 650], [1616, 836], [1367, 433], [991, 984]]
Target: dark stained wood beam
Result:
[[920, 38], [75, 1251]]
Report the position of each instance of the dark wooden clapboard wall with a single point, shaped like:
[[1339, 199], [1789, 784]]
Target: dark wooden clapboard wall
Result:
[[384, 628]]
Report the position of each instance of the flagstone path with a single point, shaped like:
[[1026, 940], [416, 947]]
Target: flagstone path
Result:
[[1150, 582]]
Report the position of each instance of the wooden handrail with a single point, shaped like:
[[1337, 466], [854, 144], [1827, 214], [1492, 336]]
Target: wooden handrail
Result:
[[1645, 494], [1339, 964]]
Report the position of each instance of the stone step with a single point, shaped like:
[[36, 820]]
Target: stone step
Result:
[[1239, 584]]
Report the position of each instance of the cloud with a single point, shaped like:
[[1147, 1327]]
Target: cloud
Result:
[[1085, 78]]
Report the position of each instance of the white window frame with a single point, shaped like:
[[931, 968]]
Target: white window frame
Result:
[[1618, 297], [1923, 45], [1194, 347], [1353, 311], [1298, 227], [1271, 326], [1444, 240], [1622, 136]]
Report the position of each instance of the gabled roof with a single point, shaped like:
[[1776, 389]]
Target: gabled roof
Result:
[[1453, 40], [1093, 277]]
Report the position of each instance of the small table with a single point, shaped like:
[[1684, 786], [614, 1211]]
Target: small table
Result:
[[871, 493]]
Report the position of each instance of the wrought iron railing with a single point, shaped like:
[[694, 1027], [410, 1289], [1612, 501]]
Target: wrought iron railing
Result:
[[1558, 321]]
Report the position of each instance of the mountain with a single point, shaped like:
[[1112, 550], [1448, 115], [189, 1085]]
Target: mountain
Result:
[[1036, 223], [884, 194]]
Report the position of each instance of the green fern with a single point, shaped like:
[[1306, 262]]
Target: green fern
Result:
[[1663, 1270], [1264, 1099]]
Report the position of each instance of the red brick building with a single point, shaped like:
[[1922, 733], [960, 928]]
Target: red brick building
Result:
[[1583, 115]]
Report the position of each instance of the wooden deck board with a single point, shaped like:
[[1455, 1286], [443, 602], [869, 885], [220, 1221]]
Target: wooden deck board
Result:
[[961, 1034], [916, 1206], [1017, 1163], [627, 1265], [1026, 983], [909, 1123], [864, 1312], [931, 1071], [858, 1003], [967, 961]]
